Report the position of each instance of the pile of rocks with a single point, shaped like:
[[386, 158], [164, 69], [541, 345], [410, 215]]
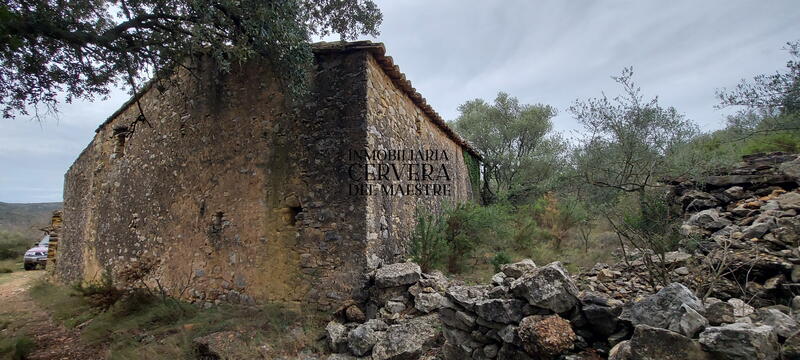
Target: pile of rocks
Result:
[[675, 324], [531, 312], [398, 321], [747, 223]]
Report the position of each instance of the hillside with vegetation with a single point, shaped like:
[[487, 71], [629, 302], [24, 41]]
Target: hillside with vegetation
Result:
[[26, 219]]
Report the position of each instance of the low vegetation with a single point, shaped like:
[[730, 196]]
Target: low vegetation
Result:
[[12, 248], [17, 347], [136, 324]]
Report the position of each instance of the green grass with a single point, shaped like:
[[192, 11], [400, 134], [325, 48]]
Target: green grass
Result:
[[10, 265], [17, 347], [575, 255], [143, 326]]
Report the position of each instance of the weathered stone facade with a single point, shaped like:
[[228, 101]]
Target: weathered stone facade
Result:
[[228, 193]]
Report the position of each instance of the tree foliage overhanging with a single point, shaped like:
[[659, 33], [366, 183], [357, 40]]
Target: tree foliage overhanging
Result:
[[81, 48]]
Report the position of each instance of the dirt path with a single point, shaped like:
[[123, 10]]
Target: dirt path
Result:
[[53, 341]]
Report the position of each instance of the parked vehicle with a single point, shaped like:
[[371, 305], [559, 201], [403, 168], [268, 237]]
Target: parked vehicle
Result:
[[37, 255]]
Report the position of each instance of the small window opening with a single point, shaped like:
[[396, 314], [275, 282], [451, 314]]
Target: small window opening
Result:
[[292, 213], [418, 125], [120, 134]]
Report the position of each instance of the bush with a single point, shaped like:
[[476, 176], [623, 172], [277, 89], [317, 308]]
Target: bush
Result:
[[17, 348], [449, 239], [100, 294], [13, 245], [469, 226], [647, 223], [782, 141], [500, 259], [428, 246]]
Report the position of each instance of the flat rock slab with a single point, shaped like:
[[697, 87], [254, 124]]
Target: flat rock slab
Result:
[[398, 274]]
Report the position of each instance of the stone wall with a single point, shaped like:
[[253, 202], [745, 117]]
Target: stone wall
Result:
[[224, 192], [396, 122]]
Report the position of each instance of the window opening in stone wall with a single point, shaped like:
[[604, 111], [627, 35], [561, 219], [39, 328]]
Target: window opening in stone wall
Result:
[[418, 124], [292, 213], [120, 134]]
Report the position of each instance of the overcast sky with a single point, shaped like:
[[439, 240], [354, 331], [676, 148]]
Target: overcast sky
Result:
[[549, 52]]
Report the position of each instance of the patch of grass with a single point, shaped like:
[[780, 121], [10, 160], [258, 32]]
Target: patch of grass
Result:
[[66, 305], [8, 266], [142, 325], [17, 348]]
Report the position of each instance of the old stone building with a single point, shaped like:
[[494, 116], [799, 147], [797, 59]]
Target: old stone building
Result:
[[224, 191]]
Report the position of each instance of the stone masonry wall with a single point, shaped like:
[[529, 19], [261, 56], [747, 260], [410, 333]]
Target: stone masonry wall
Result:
[[222, 192], [395, 122], [227, 193]]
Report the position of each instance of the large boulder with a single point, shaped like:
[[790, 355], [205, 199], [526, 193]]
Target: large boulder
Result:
[[398, 274], [708, 219], [336, 335], [456, 318], [516, 269], [468, 296], [789, 200], [549, 287], [719, 313], [740, 308], [740, 341], [791, 169], [504, 311], [547, 336], [791, 347], [784, 325], [759, 227], [601, 313], [621, 351], [408, 339], [651, 343], [361, 339], [674, 308], [427, 302]]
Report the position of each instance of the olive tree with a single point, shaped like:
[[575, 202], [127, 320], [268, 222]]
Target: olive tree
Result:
[[630, 145], [628, 140], [516, 140]]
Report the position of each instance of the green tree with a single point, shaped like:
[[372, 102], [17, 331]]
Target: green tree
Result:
[[769, 119], [518, 146], [80, 49], [630, 142], [779, 91]]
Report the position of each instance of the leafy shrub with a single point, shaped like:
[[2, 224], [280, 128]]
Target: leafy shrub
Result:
[[469, 226], [451, 237], [647, 223], [428, 246], [500, 259], [100, 294], [13, 245], [782, 141], [17, 348]]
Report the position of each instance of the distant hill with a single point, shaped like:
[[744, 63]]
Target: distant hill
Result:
[[26, 219]]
